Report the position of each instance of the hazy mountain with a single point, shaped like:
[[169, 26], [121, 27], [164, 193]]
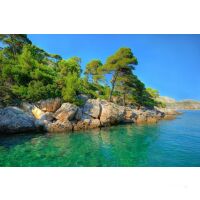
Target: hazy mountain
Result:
[[187, 104]]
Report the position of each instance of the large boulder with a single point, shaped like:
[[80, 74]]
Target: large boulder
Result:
[[111, 113], [37, 113], [130, 115], [48, 116], [149, 116], [79, 114], [27, 107], [141, 118], [66, 112], [59, 126], [83, 97], [49, 105], [92, 108], [15, 120], [86, 122]]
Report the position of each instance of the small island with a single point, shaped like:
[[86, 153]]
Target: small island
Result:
[[96, 109], [44, 92]]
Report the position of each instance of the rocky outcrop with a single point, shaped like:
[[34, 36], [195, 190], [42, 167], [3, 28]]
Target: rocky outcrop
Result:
[[83, 97], [130, 115], [169, 113], [48, 116], [15, 120], [92, 108], [94, 113], [66, 112], [149, 116], [49, 105], [87, 124], [27, 107], [59, 126], [111, 113], [37, 113]]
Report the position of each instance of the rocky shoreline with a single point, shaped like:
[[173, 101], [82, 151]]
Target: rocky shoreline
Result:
[[54, 116]]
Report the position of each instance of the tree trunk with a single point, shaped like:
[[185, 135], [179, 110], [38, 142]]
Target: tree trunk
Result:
[[111, 92], [113, 86]]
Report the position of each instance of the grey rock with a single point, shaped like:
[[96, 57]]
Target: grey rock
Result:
[[15, 120], [59, 126], [48, 116], [92, 107]]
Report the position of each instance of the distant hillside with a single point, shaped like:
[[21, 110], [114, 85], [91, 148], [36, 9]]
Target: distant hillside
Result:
[[180, 105]]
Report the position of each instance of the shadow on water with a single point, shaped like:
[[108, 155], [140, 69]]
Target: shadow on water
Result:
[[11, 140]]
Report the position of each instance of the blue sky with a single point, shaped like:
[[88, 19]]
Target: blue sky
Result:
[[168, 63]]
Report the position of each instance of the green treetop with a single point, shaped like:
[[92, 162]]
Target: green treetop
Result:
[[14, 42], [93, 71], [122, 60]]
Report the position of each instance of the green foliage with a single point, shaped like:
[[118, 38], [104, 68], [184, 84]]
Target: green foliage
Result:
[[72, 65], [14, 42], [28, 73], [71, 88], [94, 72], [152, 92], [119, 64]]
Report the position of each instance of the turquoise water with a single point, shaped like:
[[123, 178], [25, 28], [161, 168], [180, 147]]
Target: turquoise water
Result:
[[167, 143]]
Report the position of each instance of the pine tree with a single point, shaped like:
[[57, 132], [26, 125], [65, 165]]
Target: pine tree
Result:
[[115, 65]]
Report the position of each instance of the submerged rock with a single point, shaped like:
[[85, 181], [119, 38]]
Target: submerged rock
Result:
[[15, 120]]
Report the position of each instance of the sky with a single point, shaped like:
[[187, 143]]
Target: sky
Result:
[[168, 63]]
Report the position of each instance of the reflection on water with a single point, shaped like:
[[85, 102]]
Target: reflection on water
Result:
[[168, 143]]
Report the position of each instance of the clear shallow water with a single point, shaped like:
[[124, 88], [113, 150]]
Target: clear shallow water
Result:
[[167, 143]]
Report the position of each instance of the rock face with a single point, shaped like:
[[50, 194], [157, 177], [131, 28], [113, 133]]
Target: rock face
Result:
[[37, 113], [111, 113], [27, 107], [169, 113], [92, 108], [83, 97], [15, 120], [50, 116], [149, 116], [59, 126], [66, 112], [49, 105], [130, 115], [87, 124]]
